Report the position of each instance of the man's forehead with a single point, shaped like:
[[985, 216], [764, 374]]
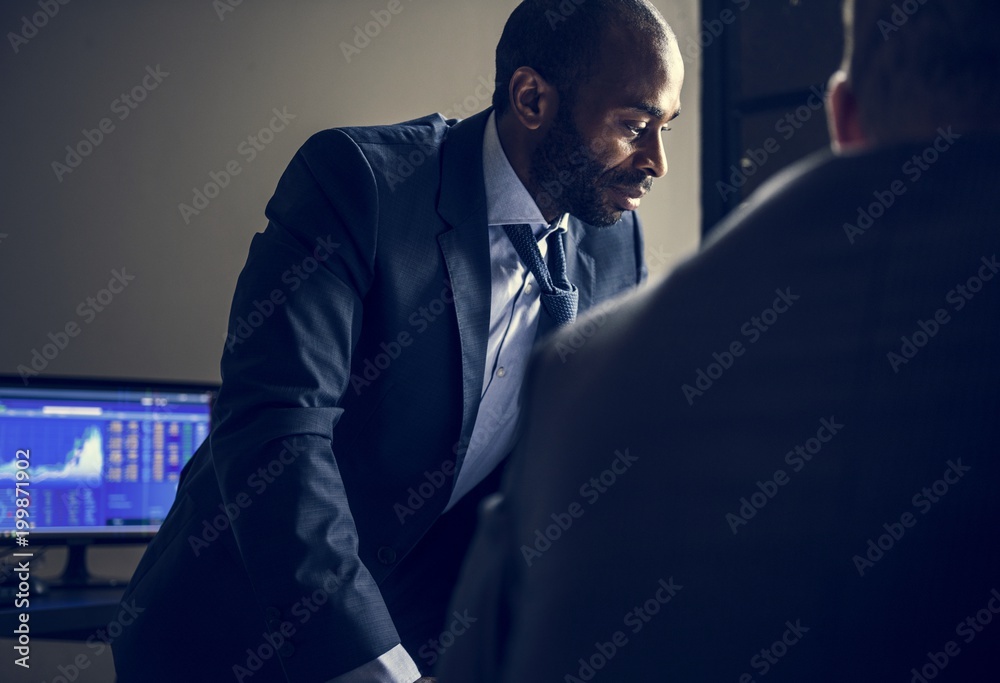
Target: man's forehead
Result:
[[649, 84], [635, 55]]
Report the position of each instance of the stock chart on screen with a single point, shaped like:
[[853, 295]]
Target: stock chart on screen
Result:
[[102, 458]]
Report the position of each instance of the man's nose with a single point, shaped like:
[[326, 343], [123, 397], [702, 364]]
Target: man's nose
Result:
[[653, 157]]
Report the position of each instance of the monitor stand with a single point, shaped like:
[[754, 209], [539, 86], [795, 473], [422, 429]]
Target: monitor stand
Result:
[[75, 574]]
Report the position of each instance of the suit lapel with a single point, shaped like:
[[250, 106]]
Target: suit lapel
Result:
[[466, 251], [580, 265]]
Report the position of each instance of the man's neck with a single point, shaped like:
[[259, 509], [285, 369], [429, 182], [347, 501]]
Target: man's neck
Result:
[[518, 145]]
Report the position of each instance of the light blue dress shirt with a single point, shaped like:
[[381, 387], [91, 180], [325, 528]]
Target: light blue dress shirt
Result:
[[514, 310]]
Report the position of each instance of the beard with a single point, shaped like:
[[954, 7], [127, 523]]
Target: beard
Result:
[[568, 175]]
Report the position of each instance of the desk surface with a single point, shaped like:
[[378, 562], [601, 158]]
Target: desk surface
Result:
[[65, 613]]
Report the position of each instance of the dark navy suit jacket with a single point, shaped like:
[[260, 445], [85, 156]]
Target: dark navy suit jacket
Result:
[[351, 382], [781, 462]]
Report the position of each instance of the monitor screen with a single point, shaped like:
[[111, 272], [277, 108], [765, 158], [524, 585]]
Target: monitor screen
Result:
[[102, 458]]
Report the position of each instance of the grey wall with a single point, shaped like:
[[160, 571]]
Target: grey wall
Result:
[[64, 232], [61, 237]]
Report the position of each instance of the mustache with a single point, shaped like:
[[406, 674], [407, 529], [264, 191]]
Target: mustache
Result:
[[631, 179]]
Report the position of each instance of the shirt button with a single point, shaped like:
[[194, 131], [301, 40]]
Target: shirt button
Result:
[[386, 555], [501, 372], [527, 288]]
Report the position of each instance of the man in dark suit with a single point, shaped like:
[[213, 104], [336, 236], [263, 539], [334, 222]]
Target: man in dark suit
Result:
[[780, 462], [378, 337]]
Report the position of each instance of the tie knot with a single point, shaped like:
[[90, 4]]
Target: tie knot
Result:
[[559, 296]]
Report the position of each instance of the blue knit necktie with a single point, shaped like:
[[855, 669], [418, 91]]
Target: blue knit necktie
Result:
[[559, 296]]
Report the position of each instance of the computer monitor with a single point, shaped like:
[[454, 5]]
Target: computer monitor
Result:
[[101, 458]]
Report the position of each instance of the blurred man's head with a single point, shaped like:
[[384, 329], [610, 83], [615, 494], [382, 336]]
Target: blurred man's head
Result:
[[584, 91], [912, 66]]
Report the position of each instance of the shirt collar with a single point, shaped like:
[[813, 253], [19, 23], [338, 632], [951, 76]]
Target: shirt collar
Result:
[[507, 199]]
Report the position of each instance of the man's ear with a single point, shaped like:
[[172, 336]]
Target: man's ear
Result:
[[533, 100], [842, 114]]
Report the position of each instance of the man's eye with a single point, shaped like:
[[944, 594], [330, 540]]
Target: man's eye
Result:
[[635, 129]]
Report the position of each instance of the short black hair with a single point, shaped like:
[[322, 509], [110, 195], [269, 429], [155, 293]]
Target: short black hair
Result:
[[915, 65], [561, 39]]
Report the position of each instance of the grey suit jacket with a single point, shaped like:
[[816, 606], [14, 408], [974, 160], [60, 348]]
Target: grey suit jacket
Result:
[[350, 386], [781, 462]]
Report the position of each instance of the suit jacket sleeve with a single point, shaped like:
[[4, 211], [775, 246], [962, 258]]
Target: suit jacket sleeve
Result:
[[294, 322]]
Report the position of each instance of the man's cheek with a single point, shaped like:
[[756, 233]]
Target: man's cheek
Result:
[[599, 147]]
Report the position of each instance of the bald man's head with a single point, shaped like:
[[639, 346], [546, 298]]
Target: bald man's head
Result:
[[562, 40], [916, 65]]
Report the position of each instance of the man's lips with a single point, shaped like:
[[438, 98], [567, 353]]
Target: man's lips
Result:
[[627, 198]]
